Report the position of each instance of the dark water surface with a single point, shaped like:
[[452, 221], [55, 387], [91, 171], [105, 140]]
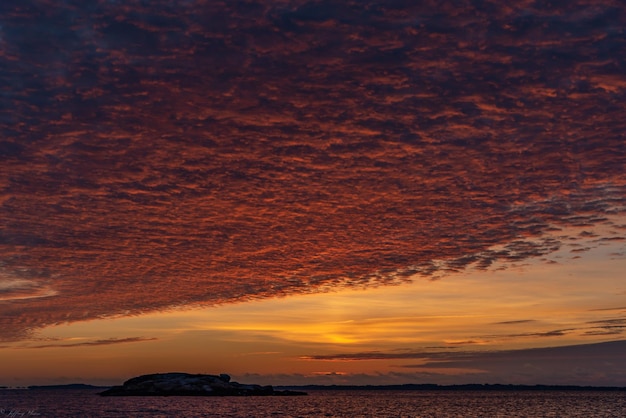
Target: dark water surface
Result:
[[319, 403]]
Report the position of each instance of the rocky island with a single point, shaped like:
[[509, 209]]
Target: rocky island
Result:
[[185, 384]]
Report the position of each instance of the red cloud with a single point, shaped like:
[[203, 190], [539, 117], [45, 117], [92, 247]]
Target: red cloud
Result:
[[154, 158]]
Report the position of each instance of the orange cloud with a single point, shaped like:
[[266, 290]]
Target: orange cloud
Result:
[[154, 159]]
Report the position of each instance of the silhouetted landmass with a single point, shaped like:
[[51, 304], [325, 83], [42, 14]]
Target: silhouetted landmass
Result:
[[480, 387], [185, 384]]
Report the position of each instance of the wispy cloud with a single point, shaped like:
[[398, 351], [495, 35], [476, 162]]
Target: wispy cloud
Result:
[[89, 343], [20, 289], [621, 308], [600, 362], [445, 358], [551, 333]]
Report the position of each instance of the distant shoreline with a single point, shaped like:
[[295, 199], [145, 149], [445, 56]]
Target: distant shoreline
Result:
[[406, 387], [470, 386], [71, 386]]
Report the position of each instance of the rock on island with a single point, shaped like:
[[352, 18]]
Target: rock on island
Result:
[[185, 384]]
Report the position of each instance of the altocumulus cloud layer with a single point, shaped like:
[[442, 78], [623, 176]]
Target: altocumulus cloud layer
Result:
[[177, 152]]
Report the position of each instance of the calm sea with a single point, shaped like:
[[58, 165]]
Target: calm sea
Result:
[[319, 403]]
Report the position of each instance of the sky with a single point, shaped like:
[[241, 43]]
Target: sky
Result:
[[313, 191]]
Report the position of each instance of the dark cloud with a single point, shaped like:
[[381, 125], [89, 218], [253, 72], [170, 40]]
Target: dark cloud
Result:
[[465, 342], [602, 362], [611, 351], [613, 326], [621, 308], [616, 326], [108, 341], [172, 153], [591, 355], [551, 333], [521, 321]]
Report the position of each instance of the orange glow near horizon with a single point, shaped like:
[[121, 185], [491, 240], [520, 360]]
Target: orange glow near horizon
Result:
[[334, 336]]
